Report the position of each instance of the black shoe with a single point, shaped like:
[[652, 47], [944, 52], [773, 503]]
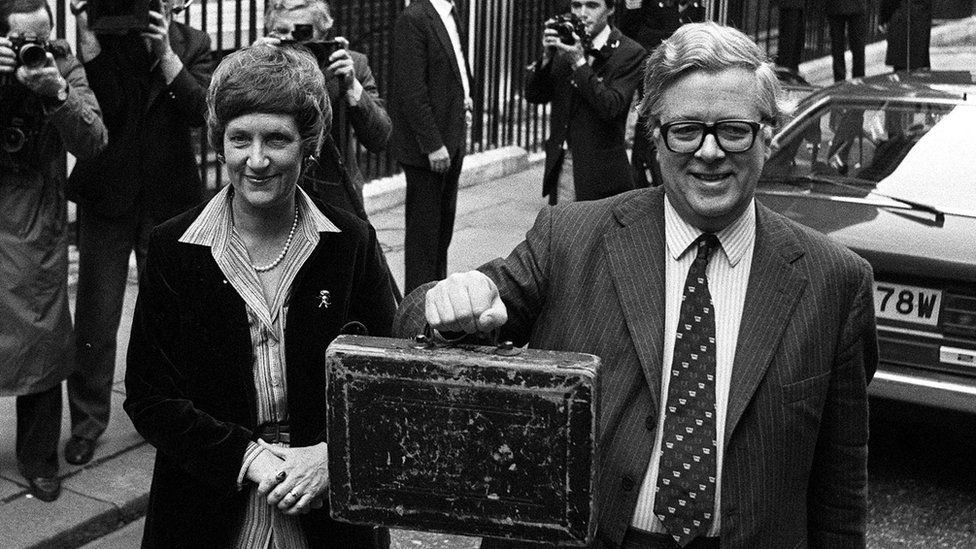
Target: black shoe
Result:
[[45, 488], [79, 451]]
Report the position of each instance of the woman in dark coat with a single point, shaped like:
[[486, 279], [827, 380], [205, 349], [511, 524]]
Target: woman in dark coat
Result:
[[909, 32], [240, 298]]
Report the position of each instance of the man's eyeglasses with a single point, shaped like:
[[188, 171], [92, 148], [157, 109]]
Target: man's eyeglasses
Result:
[[732, 136]]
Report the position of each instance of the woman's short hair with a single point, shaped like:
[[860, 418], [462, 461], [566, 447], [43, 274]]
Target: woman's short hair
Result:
[[321, 13], [269, 79], [713, 48]]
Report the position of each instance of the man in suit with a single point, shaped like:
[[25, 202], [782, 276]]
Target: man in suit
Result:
[[736, 345], [431, 110], [151, 86], [852, 16], [792, 34], [591, 93]]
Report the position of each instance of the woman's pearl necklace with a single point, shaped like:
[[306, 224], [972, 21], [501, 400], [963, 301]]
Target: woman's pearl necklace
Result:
[[291, 235]]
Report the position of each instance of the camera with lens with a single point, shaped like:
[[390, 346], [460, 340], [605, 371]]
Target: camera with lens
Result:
[[29, 50], [21, 120], [567, 25], [121, 17], [301, 36]]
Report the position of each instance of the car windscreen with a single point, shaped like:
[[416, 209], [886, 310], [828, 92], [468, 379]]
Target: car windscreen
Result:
[[921, 151]]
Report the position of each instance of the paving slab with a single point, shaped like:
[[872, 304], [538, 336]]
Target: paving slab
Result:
[[126, 537], [9, 489], [122, 481], [72, 519]]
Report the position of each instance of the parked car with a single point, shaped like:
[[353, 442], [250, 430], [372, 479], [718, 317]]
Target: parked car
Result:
[[887, 166]]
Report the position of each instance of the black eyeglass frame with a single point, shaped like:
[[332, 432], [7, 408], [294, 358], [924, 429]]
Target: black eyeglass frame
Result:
[[711, 128]]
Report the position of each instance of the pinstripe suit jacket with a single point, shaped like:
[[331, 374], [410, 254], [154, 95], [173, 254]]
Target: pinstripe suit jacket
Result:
[[589, 277]]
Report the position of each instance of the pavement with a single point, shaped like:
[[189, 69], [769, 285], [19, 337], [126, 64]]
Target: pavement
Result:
[[102, 503]]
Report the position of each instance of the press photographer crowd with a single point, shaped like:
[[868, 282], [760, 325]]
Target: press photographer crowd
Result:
[[652, 272]]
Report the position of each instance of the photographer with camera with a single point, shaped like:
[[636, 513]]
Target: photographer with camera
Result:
[[335, 177], [46, 107], [151, 82], [588, 71], [353, 93]]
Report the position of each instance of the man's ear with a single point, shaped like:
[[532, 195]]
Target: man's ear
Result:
[[767, 141]]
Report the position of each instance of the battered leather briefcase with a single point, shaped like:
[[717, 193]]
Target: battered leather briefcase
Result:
[[472, 440]]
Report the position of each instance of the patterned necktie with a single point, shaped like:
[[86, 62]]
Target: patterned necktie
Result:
[[685, 495]]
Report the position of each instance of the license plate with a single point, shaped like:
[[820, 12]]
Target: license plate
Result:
[[907, 303]]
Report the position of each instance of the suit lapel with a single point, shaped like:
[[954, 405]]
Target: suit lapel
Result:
[[635, 251], [600, 61], [445, 39], [774, 290]]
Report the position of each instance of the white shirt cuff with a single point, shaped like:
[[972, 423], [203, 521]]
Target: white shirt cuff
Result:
[[252, 452], [355, 93]]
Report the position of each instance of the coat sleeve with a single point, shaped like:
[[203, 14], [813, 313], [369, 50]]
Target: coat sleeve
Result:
[[538, 82], [837, 495], [611, 94], [523, 278], [103, 73], [410, 50], [369, 118], [157, 401], [374, 302], [79, 119], [189, 89]]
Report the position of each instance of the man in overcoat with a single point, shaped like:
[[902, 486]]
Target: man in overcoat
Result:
[[908, 24], [44, 110]]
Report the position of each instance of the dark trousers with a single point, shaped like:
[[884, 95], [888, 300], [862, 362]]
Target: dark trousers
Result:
[[430, 209], [38, 430], [792, 32], [856, 27], [104, 246]]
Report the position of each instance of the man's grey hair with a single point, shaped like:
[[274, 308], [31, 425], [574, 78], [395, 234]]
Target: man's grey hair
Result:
[[712, 48]]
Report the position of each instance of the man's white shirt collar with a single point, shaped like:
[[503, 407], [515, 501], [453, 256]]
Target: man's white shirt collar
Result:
[[735, 238], [601, 38]]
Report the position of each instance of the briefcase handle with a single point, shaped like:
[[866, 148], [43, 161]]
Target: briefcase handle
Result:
[[433, 339]]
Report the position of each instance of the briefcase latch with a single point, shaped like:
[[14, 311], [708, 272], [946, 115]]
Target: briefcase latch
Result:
[[431, 340], [507, 348]]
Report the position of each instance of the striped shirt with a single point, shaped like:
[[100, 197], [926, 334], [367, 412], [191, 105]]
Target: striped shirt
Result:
[[728, 279], [261, 526]]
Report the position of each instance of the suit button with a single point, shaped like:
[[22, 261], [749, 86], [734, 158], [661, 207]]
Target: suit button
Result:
[[627, 484], [650, 422]]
